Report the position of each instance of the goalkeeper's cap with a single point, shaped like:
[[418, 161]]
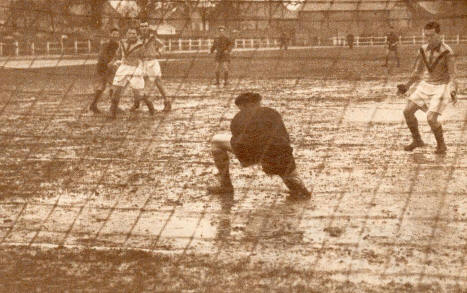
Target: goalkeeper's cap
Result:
[[248, 97], [114, 29]]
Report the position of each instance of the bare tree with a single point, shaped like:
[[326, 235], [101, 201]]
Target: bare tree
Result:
[[97, 8]]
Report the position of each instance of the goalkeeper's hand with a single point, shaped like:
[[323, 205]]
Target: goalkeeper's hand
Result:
[[402, 88]]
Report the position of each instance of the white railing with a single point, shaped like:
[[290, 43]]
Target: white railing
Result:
[[403, 40], [39, 48]]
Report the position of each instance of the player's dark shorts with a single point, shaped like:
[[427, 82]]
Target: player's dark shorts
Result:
[[223, 57], [392, 47], [103, 78], [276, 159]]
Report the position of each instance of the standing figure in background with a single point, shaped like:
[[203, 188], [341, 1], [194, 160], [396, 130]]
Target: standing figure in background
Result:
[[392, 43], [436, 65], [284, 41], [130, 72], [223, 46], [105, 70], [350, 40], [151, 68]]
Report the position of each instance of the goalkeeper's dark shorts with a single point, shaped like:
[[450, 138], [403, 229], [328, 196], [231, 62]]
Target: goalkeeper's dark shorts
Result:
[[274, 160]]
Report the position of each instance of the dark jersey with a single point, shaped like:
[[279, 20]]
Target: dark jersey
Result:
[[222, 45], [106, 54], [261, 137], [392, 40]]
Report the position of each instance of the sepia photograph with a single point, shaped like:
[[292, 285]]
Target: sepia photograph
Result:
[[233, 146]]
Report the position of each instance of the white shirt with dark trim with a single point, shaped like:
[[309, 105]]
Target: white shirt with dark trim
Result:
[[131, 54], [152, 47], [435, 65]]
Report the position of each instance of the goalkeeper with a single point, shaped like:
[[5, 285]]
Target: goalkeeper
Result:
[[435, 62], [258, 136], [105, 72]]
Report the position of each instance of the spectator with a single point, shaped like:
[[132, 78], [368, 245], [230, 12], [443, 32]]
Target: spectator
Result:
[[283, 41], [350, 40]]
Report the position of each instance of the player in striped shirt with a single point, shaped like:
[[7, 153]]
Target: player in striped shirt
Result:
[[129, 73], [151, 67], [435, 67]]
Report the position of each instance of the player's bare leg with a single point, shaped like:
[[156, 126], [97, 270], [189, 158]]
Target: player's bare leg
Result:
[[437, 129], [144, 97], [412, 124], [161, 88], [225, 67], [218, 72], [396, 54], [136, 102], [297, 188], [97, 96], [137, 97], [386, 58], [99, 90], [220, 147]]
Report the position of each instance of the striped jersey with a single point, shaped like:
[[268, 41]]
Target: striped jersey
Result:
[[131, 54], [435, 65], [152, 47]]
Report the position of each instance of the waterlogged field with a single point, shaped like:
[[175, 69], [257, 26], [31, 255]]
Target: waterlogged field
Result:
[[91, 204]]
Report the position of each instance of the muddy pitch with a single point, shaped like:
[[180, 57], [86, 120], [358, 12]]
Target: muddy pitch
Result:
[[379, 215]]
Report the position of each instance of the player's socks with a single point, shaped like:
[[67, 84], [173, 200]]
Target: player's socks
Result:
[[218, 77], [297, 189], [440, 144], [226, 78], [385, 62], [93, 106], [221, 189], [113, 108], [417, 139], [167, 106], [221, 160], [150, 106], [135, 105]]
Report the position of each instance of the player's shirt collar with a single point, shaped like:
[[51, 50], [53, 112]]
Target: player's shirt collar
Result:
[[129, 48], [435, 52], [434, 48], [147, 40]]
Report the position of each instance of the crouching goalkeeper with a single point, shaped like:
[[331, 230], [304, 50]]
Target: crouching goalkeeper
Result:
[[258, 136], [435, 63]]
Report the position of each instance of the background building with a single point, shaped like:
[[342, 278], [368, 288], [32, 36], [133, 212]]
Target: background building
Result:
[[250, 18]]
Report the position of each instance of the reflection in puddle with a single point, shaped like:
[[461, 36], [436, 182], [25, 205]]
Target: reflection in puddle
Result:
[[270, 224]]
